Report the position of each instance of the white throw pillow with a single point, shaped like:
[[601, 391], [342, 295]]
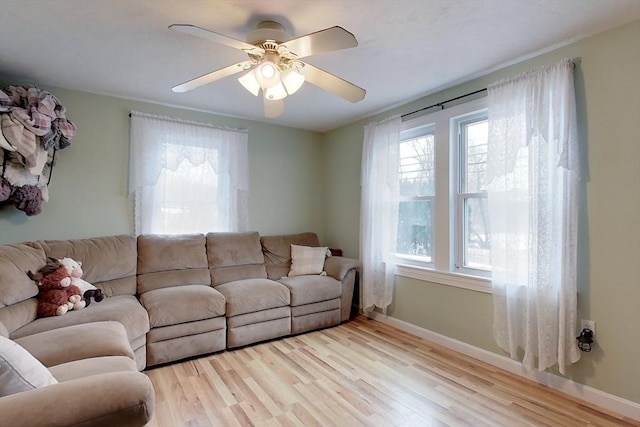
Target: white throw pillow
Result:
[[3, 330], [307, 260], [19, 370]]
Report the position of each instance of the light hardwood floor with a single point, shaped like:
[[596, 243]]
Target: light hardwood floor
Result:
[[362, 373]]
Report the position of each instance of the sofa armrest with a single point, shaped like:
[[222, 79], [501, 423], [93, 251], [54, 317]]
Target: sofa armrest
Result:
[[112, 399], [344, 270], [83, 341], [338, 267]]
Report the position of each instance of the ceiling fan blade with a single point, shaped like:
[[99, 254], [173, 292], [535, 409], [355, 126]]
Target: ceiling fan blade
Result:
[[273, 108], [333, 84], [330, 39], [216, 37], [213, 76]]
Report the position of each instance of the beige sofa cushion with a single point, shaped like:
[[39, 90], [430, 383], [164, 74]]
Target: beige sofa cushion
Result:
[[259, 317], [19, 314], [312, 289], [249, 295], [171, 279], [108, 262], [182, 304], [17, 291], [15, 261], [167, 253], [124, 308], [96, 365], [230, 249], [77, 342], [198, 327], [111, 399], [169, 261], [277, 251], [314, 308], [19, 370], [234, 256]]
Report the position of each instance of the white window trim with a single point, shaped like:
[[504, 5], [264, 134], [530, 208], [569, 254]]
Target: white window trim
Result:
[[458, 280], [442, 269], [413, 260], [457, 202], [458, 260]]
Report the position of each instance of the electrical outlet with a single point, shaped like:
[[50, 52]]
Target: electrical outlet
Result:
[[590, 324]]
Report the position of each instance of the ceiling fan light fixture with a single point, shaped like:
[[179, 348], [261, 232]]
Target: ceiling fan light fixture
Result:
[[292, 80], [275, 93], [274, 64], [250, 82], [267, 74]]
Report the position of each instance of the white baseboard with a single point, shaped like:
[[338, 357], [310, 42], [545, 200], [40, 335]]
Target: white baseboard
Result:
[[591, 395]]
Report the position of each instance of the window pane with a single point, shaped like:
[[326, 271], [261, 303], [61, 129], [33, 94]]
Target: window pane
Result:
[[417, 167], [186, 200], [414, 229], [476, 234], [476, 136]]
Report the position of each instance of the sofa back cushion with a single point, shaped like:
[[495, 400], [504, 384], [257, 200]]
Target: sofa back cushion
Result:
[[15, 261], [17, 290], [235, 256], [167, 261], [108, 262], [277, 251]]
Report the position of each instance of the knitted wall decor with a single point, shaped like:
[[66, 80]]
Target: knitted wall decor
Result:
[[33, 127]]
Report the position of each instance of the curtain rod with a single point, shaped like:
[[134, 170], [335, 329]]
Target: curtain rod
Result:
[[575, 61], [181, 121], [440, 104]]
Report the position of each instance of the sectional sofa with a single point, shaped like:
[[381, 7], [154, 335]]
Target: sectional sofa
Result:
[[168, 298]]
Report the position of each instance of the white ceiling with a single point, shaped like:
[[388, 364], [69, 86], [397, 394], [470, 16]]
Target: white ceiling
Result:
[[407, 48]]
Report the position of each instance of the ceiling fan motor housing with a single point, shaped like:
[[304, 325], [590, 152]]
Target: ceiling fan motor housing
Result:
[[268, 31]]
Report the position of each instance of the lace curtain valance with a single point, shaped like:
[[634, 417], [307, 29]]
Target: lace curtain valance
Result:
[[162, 144]]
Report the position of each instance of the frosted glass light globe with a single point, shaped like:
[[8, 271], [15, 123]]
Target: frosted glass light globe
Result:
[[267, 75]]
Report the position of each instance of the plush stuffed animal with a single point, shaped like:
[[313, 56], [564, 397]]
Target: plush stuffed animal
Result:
[[56, 294], [74, 269]]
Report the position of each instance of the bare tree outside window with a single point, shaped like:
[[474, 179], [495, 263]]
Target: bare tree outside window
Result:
[[475, 250], [417, 191]]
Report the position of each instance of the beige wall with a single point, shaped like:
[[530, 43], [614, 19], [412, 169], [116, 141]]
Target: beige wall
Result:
[[608, 96], [88, 193]]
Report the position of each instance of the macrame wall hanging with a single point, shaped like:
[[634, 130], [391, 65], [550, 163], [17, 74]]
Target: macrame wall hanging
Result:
[[34, 126]]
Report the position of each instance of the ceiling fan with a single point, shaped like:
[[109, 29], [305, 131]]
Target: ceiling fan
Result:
[[274, 66]]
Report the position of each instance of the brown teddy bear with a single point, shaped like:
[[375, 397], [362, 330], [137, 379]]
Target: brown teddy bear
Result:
[[56, 294]]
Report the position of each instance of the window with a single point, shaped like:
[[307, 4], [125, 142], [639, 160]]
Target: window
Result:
[[472, 235], [187, 198], [417, 193], [442, 222], [187, 177]]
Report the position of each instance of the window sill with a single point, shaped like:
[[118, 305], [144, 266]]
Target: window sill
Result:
[[464, 281]]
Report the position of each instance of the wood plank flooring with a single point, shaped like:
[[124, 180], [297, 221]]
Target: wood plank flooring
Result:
[[362, 373]]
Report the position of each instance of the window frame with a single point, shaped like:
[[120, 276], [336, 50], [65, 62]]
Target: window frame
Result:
[[408, 134], [442, 270], [460, 153]]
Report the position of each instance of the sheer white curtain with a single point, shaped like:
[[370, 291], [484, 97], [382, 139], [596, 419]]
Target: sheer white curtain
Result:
[[187, 177], [379, 211], [533, 169]]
